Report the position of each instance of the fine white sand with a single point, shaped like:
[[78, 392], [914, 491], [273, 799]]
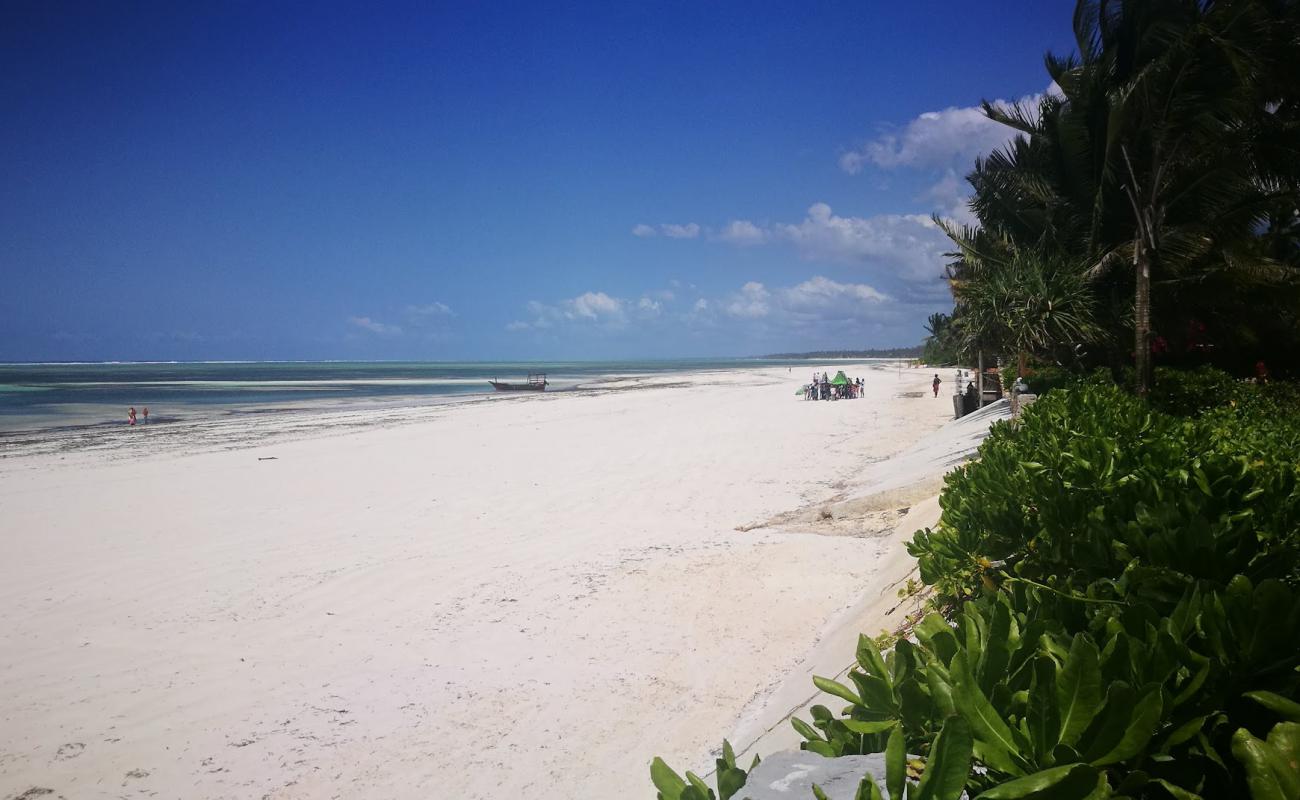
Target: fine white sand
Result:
[[510, 597]]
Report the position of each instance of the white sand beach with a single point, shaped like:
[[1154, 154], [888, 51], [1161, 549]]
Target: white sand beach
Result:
[[510, 597]]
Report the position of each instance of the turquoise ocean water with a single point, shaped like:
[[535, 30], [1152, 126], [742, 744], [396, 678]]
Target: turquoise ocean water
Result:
[[36, 396]]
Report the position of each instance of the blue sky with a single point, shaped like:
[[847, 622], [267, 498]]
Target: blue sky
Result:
[[485, 181]]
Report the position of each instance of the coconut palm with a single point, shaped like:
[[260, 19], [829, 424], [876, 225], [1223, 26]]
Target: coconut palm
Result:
[[1171, 145]]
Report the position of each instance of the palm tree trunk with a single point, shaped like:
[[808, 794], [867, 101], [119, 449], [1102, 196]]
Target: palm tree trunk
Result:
[[1142, 322], [979, 382]]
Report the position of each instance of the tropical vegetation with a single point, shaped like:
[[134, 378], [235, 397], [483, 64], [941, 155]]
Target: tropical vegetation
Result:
[[1116, 579]]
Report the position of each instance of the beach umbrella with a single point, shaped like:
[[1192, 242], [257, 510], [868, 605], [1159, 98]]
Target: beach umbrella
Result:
[[840, 379]]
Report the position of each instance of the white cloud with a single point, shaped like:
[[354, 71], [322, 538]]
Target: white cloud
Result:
[[910, 245], [750, 302], [593, 306], [649, 307], [688, 231], [954, 136], [434, 309], [742, 232], [950, 196], [818, 293], [374, 326], [814, 303], [588, 307], [701, 305]]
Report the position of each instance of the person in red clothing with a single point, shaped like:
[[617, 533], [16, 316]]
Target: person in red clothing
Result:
[[935, 384], [130, 416]]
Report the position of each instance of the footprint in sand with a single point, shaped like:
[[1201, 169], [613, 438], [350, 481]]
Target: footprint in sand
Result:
[[69, 750]]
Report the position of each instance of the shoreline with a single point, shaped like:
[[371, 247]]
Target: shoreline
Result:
[[487, 596]]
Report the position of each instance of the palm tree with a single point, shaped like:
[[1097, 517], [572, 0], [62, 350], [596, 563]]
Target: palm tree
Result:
[[1028, 306], [1172, 143]]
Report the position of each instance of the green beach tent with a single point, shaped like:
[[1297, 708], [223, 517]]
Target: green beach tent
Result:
[[840, 379]]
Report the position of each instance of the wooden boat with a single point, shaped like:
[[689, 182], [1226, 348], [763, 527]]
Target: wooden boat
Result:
[[536, 383]]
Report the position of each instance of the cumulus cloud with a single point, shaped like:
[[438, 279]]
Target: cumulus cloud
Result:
[[950, 196], [750, 302], [910, 246], [742, 232], [592, 305], [588, 307], [689, 230], [818, 301], [937, 139], [374, 326], [649, 307]]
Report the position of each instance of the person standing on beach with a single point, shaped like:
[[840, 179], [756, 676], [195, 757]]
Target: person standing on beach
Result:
[[935, 384], [146, 415], [130, 416]]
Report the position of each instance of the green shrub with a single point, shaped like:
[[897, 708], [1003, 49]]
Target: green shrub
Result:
[[1186, 393], [1128, 615]]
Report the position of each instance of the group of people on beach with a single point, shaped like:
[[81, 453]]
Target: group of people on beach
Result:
[[130, 416], [838, 388]]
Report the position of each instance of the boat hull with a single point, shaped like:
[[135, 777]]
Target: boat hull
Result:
[[518, 387]]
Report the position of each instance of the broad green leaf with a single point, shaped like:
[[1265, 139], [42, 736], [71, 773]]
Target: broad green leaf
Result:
[[820, 748], [730, 781], [838, 689], [940, 692], [669, 783], [1183, 732], [728, 755], [1111, 725], [879, 726], [869, 658], [818, 793], [1078, 690], [805, 730], [1178, 792], [1041, 715], [877, 694], [1076, 775], [895, 764], [868, 790], [1258, 757], [1287, 709], [1284, 739], [997, 653], [699, 784], [935, 633], [1145, 720], [948, 766], [987, 725], [1193, 686]]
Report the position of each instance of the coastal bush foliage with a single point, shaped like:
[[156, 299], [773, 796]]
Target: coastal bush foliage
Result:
[[1128, 609], [729, 778]]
